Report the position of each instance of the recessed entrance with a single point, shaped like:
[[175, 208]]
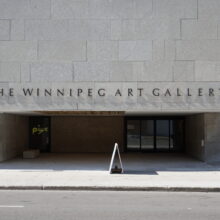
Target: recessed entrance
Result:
[[155, 134], [192, 134]]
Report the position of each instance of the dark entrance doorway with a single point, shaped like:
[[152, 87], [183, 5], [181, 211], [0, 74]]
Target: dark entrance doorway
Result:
[[158, 134], [40, 133]]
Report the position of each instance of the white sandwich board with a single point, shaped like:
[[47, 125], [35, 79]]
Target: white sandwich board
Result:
[[116, 149]]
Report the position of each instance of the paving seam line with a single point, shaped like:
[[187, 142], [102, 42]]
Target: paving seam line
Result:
[[102, 188]]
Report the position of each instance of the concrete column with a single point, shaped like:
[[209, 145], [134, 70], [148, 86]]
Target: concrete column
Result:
[[212, 136], [194, 136]]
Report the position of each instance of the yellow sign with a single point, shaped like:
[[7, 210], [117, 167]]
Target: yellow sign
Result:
[[39, 130]]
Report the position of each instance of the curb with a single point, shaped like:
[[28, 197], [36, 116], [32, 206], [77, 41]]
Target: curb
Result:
[[120, 188]]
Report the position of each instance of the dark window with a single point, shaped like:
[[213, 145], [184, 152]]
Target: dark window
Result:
[[155, 134], [133, 134], [147, 134], [162, 135]]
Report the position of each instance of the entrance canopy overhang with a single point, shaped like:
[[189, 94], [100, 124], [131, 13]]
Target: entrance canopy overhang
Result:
[[106, 113]]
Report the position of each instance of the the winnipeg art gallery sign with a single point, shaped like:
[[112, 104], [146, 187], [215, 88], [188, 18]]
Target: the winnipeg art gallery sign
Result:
[[33, 95], [102, 92]]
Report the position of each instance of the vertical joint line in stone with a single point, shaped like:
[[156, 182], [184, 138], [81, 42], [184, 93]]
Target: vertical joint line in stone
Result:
[[111, 29], [180, 28], [20, 72], [134, 6], [175, 48], [38, 50], [118, 48], [73, 72], [86, 51], [87, 5], [153, 49], [109, 76], [217, 30], [152, 56], [50, 9], [152, 5], [173, 63], [197, 9], [164, 49], [194, 70], [10, 22], [30, 73], [24, 29]]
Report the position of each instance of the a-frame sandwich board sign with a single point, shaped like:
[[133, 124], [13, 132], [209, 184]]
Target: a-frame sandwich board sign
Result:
[[116, 169]]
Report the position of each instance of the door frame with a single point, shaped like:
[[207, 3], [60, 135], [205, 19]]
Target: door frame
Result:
[[154, 118], [49, 133]]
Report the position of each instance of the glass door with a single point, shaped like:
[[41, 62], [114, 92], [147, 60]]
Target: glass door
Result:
[[155, 134], [163, 135], [176, 135], [133, 135], [40, 133], [147, 135]]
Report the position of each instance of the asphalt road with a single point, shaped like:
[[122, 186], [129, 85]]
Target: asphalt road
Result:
[[28, 205]]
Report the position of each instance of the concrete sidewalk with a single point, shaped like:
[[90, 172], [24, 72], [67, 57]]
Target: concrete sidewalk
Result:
[[174, 172]]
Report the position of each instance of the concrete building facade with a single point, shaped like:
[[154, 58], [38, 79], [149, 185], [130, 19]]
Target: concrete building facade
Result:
[[106, 71]]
